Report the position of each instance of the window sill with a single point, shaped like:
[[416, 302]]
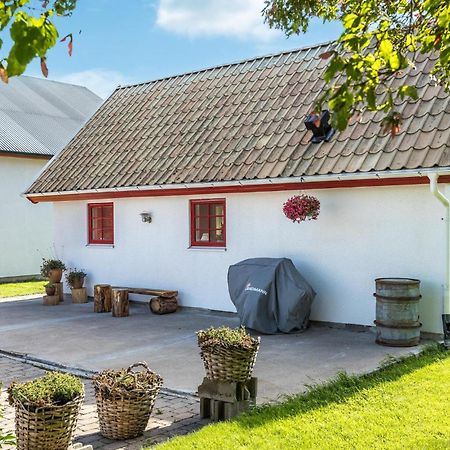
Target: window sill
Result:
[[207, 249], [100, 245]]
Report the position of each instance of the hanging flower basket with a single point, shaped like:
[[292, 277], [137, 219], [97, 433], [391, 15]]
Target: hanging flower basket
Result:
[[302, 207]]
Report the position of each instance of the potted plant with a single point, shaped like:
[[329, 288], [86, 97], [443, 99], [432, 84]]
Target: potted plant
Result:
[[47, 410], [125, 400], [50, 289], [228, 354], [302, 207], [75, 278], [52, 269]]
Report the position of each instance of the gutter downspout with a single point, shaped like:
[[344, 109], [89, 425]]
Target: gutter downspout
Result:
[[446, 301]]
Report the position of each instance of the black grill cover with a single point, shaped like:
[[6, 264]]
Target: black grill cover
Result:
[[270, 295]]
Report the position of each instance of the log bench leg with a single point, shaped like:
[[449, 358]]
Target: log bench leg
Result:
[[120, 303], [102, 298]]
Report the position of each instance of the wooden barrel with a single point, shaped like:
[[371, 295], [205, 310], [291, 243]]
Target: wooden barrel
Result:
[[397, 315]]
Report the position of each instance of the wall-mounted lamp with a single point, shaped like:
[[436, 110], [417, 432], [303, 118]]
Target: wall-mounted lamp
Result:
[[146, 217]]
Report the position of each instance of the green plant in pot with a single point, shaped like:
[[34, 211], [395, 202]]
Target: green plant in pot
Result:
[[50, 289], [75, 278], [228, 354], [47, 410], [52, 269]]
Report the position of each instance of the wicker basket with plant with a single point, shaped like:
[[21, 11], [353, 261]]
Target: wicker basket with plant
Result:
[[228, 354], [47, 410], [125, 400]]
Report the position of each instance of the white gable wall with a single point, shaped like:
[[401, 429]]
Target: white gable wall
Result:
[[361, 234], [25, 229]]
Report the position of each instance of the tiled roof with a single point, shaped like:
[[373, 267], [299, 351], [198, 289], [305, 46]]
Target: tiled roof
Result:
[[242, 121], [40, 116]]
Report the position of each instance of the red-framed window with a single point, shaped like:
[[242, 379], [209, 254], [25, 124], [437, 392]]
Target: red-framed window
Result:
[[208, 223], [101, 223]]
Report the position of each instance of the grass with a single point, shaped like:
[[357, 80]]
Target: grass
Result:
[[404, 405], [22, 288]]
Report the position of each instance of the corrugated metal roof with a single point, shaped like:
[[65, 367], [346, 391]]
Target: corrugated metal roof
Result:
[[40, 116], [239, 122]]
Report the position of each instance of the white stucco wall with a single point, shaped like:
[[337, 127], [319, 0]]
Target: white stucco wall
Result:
[[361, 234], [25, 229]]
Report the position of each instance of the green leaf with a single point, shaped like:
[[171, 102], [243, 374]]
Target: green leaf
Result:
[[408, 91], [386, 48]]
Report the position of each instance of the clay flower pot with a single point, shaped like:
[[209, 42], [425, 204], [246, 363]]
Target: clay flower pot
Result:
[[77, 283], [50, 290], [55, 275]]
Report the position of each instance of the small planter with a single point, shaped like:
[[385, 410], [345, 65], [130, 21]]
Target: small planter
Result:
[[228, 354], [52, 269], [55, 275], [49, 426], [50, 289], [125, 400], [75, 278], [78, 283]]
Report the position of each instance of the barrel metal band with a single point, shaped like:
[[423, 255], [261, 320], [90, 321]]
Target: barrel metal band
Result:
[[399, 326], [398, 299]]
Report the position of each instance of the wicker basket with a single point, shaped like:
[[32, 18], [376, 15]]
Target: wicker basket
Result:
[[125, 415], [47, 428], [228, 363]]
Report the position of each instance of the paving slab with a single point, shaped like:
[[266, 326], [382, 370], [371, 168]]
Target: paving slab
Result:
[[73, 335]]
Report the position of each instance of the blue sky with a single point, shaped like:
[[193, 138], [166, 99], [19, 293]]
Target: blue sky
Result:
[[148, 39]]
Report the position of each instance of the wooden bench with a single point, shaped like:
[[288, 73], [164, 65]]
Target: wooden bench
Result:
[[163, 302], [145, 291]]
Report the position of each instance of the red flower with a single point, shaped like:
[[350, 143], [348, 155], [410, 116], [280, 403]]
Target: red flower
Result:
[[302, 207]]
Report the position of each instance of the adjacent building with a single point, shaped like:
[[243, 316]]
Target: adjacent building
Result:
[[37, 119]]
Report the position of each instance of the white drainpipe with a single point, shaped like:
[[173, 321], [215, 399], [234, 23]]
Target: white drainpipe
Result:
[[444, 200]]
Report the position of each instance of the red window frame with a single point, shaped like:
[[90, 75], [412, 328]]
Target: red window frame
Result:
[[92, 228], [214, 201]]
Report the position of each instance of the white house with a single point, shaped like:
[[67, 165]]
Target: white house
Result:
[[37, 119], [230, 142]]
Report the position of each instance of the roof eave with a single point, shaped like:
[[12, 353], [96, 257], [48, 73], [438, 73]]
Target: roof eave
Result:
[[343, 180]]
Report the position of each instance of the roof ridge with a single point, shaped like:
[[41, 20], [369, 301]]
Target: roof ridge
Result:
[[233, 63], [47, 80]]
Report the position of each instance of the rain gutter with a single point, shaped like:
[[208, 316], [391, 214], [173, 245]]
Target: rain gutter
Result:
[[309, 182]]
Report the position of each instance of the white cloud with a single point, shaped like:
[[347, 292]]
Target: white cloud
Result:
[[235, 18], [100, 81]]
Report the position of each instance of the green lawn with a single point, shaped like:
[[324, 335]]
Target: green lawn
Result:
[[402, 406], [23, 288]]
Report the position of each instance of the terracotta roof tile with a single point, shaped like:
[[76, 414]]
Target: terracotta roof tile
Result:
[[244, 121]]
